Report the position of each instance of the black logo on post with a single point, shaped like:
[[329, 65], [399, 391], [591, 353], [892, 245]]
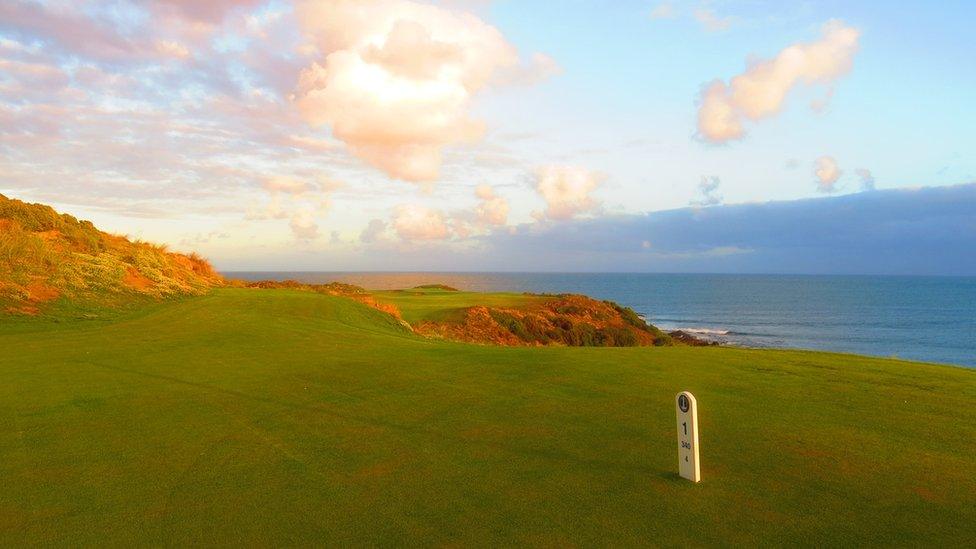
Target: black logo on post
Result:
[[683, 403]]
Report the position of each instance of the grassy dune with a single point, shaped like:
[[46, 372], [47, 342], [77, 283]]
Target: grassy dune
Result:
[[266, 417], [519, 319], [54, 264]]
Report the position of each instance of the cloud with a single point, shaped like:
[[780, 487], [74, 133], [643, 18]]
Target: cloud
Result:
[[492, 209], [761, 90], [172, 48], [540, 67], [866, 177], [119, 31], [710, 21], [23, 78], [566, 190], [706, 17], [209, 11], [374, 231], [707, 187], [397, 79], [917, 231], [819, 104], [827, 173], [301, 201], [460, 227], [290, 185], [285, 184], [413, 222], [203, 238], [303, 225], [479, 6], [664, 10], [893, 231], [66, 26]]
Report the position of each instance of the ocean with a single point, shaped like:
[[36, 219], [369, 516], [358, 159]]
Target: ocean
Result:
[[930, 319]]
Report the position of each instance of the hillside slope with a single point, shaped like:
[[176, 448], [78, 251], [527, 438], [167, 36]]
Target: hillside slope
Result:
[[521, 319], [54, 263], [47, 258], [290, 418], [509, 319]]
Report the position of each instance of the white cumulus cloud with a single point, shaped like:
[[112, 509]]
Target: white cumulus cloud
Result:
[[492, 209], [827, 173], [761, 90], [708, 187], [373, 232], [396, 78], [567, 190], [299, 200], [866, 177], [413, 222], [303, 225]]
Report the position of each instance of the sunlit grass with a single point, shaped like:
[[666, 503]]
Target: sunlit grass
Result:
[[261, 417]]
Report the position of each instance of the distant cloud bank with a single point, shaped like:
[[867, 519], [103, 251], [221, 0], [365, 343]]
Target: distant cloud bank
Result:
[[929, 230]]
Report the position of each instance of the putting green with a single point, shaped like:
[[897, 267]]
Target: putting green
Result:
[[281, 417], [421, 304]]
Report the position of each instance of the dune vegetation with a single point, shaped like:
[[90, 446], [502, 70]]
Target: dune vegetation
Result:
[[256, 416], [521, 319], [441, 312], [52, 261]]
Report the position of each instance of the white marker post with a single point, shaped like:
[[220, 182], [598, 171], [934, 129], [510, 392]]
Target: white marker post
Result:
[[687, 408]]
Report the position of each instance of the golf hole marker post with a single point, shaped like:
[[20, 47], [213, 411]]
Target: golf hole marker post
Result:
[[687, 412]]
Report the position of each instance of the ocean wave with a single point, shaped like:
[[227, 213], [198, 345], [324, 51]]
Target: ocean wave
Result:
[[705, 331]]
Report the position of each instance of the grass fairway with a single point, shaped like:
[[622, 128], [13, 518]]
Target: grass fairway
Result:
[[423, 304], [275, 417]]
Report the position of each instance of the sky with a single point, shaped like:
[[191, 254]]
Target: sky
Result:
[[509, 135]]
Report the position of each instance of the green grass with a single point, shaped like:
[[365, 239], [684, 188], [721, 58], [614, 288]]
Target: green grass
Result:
[[432, 304], [276, 417]]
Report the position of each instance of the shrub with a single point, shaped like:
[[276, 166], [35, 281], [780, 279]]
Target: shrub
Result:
[[662, 339], [512, 324], [569, 309], [442, 287], [629, 316], [622, 337], [562, 323], [538, 331], [582, 335], [615, 336]]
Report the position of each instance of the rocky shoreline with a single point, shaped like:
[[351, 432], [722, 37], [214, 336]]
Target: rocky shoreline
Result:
[[692, 340]]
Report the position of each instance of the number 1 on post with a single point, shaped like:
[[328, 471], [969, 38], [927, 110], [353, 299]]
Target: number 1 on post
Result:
[[686, 408]]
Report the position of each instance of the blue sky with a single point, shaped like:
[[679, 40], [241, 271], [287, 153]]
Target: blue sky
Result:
[[395, 134], [904, 111]]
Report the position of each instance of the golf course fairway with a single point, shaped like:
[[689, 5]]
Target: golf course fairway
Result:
[[283, 417]]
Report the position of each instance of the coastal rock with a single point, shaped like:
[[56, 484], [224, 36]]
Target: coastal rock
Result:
[[692, 341]]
